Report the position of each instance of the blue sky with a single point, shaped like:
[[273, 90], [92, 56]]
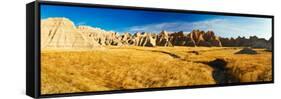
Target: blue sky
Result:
[[132, 21]]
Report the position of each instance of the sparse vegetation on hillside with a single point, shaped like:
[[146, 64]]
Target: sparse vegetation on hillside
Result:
[[116, 68]]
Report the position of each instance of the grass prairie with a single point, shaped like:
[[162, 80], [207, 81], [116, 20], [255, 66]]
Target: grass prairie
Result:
[[132, 67]]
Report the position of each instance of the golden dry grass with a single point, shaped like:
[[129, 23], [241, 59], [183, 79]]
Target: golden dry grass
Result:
[[117, 68]]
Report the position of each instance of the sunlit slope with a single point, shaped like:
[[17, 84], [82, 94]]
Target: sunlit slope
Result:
[[115, 68]]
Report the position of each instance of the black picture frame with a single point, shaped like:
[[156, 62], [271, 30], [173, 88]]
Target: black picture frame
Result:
[[33, 48]]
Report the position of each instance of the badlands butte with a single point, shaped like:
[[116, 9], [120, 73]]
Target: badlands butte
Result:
[[62, 33], [85, 58]]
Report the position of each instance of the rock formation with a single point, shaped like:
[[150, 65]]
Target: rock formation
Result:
[[178, 38], [205, 39], [195, 38], [228, 42], [98, 35], [144, 39], [256, 42], [253, 42], [163, 39], [269, 45], [181, 39], [209, 36], [62, 33], [126, 39], [190, 41]]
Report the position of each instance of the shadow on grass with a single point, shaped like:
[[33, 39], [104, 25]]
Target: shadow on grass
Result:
[[221, 74]]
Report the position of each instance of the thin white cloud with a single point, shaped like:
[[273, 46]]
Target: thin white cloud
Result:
[[222, 27], [176, 26]]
